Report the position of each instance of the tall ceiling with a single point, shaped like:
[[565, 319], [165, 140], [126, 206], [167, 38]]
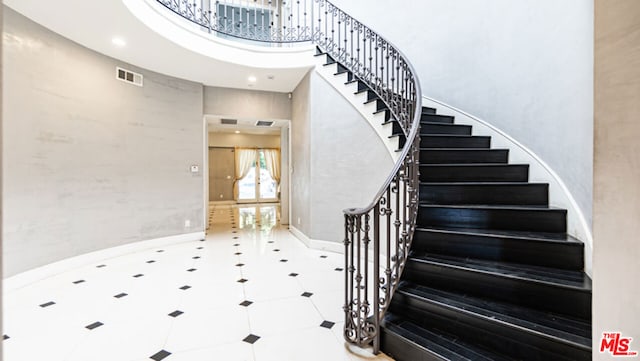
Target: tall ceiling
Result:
[[171, 47]]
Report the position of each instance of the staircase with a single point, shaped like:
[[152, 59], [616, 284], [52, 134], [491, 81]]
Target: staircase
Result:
[[492, 274]]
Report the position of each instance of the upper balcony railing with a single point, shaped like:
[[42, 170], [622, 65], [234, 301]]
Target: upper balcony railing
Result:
[[377, 237]]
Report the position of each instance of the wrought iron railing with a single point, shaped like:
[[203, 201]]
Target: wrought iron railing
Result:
[[377, 237]]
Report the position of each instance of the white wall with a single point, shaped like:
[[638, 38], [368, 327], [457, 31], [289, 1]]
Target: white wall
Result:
[[338, 160], [300, 181], [284, 175], [616, 206], [1, 155], [91, 162], [243, 140], [524, 66], [240, 103]]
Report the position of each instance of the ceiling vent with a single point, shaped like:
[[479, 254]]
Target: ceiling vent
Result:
[[129, 76], [229, 121], [264, 123]]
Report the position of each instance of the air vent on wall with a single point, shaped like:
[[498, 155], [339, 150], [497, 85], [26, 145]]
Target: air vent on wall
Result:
[[129, 76], [229, 121], [264, 123]]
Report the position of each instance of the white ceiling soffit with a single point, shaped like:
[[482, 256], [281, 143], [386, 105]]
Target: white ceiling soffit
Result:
[[182, 50], [244, 125]]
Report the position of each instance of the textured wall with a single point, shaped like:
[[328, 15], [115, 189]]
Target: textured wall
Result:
[[524, 66], [338, 160], [300, 181], [616, 204], [349, 162], [92, 162], [239, 103], [284, 175]]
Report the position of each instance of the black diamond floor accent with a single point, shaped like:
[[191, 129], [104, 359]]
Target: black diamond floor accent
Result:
[[101, 265], [242, 280], [78, 282], [251, 339], [270, 242], [120, 295], [191, 269], [236, 237], [307, 294], [160, 355], [323, 256], [238, 253], [293, 274], [160, 250], [138, 275], [200, 248], [5, 337], [276, 250], [245, 303], [185, 287], [50, 303], [196, 257], [202, 240], [327, 324], [339, 269], [240, 265], [151, 261], [94, 325], [176, 313], [236, 244], [284, 260]]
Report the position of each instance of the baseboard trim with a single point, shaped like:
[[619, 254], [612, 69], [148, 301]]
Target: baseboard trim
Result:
[[316, 243], [26, 278]]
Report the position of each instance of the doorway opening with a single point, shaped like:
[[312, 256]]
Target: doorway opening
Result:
[[260, 183], [247, 163]]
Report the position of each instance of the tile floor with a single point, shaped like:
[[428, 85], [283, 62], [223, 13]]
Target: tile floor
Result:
[[250, 291]]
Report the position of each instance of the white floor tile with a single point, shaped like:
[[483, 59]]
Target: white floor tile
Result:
[[312, 344], [238, 351], [199, 279], [282, 315], [205, 328]]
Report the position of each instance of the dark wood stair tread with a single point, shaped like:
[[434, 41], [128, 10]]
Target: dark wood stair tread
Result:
[[560, 328], [499, 233], [491, 206], [437, 343], [575, 280]]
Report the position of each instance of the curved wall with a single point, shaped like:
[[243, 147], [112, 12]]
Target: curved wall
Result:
[[91, 162], [338, 162], [524, 66]]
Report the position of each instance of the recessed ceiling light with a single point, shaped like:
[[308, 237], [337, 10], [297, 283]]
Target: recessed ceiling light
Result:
[[118, 41], [237, 132], [252, 79]]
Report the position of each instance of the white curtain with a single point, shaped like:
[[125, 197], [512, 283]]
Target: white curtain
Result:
[[245, 159], [272, 161]]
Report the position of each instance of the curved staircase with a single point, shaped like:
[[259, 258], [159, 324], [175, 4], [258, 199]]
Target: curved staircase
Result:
[[492, 274], [468, 260]]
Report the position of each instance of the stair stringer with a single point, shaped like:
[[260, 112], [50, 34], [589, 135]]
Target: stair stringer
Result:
[[359, 102], [539, 171]]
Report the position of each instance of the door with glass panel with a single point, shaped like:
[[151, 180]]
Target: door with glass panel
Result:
[[261, 175]]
